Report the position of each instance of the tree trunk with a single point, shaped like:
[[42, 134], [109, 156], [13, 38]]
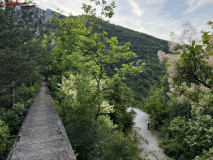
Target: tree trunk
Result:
[[189, 111]]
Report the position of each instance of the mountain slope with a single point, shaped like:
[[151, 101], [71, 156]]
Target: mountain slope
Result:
[[145, 46]]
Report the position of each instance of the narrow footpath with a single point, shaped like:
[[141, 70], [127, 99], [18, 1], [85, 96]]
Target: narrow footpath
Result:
[[42, 135], [150, 145]]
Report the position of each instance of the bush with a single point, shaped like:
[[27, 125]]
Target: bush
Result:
[[5, 141], [14, 117], [188, 139]]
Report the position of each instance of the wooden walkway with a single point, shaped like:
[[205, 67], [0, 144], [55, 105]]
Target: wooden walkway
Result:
[[42, 135]]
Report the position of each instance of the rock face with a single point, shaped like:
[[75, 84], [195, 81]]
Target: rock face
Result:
[[42, 135], [46, 14]]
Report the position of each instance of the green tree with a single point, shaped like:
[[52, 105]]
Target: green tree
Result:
[[105, 51], [189, 139], [190, 82], [18, 54], [121, 97], [78, 67], [190, 71], [5, 141], [21, 65]]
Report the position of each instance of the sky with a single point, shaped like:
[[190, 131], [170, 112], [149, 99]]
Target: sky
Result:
[[154, 17]]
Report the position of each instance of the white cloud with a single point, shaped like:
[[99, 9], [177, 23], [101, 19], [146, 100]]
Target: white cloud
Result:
[[136, 9], [195, 4], [72, 6], [155, 20], [148, 16], [45, 1]]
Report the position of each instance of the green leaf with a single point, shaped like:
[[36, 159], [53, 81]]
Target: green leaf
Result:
[[193, 42], [176, 53], [184, 55], [198, 47], [210, 53], [208, 47], [206, 37]]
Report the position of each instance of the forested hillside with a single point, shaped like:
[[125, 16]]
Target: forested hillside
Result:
[[29, 53], [145, 46], [22, 63]]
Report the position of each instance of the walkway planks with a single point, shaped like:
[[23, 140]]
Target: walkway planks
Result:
[[42, 135]]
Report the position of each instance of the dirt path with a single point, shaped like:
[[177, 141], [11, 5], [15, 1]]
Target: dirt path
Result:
[[151, 148], [42, 135]]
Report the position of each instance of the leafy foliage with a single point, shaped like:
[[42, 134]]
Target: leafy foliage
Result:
[[183, 105], [22, 61], [91, 104], [121, 98], [145, 47], [5, 139], [188, 139]]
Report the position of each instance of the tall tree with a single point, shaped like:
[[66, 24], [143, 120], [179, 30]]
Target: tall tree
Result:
[[80, 58], [17, 49]]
